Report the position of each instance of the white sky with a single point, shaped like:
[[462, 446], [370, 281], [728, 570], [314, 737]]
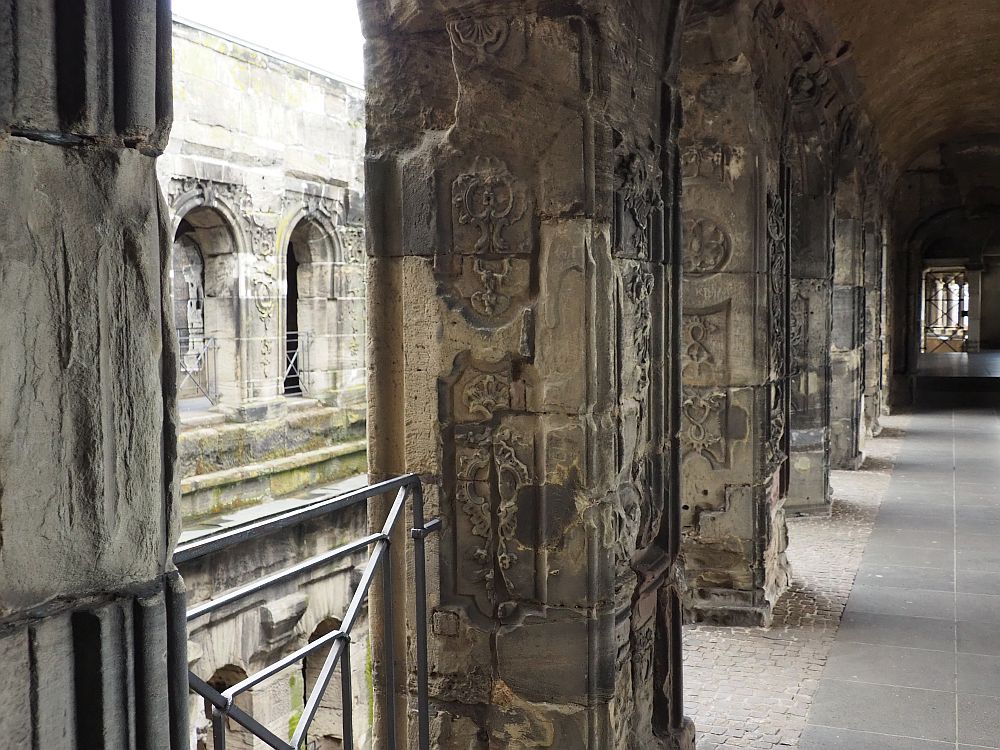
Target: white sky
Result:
[[323, 33]]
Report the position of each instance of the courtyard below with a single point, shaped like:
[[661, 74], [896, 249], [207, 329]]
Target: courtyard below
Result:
[[889, 637]]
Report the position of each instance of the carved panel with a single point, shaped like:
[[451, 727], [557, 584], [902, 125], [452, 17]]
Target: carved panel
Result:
[[707, 247], [263, 282], [184, 193], [706, 344], [638, 199], [778, 335], [492, 231], [637, 321], [491, 472], [479, 38], [707, 161], [703, 433]]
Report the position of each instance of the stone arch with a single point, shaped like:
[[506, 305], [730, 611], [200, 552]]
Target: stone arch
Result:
[[207, 224], [237, 738], [326, 731], [324, 308]]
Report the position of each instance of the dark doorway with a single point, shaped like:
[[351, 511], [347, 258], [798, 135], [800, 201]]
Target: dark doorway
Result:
[[293, 381]]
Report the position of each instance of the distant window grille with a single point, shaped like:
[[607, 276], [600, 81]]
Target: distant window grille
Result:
[[945, 311]]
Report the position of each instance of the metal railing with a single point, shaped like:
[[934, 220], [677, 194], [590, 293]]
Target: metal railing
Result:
[[328, 366], [197, 364], [296, 356], [224, 702]]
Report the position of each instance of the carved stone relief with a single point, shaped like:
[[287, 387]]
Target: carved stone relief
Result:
[[777, 254], [493, 240], [491, 473], [263, 283], [807, 83], [708, 246], [703, 433], [493, 467], [208, 193], [707, 161], [706, 344], [637, 320], [479, 38], [638, 201]]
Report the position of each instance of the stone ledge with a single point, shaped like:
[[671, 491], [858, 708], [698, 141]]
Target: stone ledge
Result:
[[211, 493]]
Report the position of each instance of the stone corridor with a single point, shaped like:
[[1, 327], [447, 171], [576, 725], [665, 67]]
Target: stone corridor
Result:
[[914, 664]]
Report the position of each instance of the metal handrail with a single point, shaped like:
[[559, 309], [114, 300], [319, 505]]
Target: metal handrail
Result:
[[201, 358], [223, 702]]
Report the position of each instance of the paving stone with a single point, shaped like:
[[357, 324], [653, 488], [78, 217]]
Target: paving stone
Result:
[[776, 671]]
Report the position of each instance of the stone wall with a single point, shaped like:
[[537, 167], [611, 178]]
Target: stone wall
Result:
[[263, 175], [263, 178], [261, 629]]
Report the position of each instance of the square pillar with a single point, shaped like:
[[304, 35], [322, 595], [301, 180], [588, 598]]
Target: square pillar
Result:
[[523, 287], [735, 373]]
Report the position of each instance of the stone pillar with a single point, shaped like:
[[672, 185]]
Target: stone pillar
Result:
[[92, 637], [811, 322], [522, 280], [847, 352], [874, 341], [735, 407]]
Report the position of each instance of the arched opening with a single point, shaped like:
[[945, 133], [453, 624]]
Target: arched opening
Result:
[[293, 351], [205, 283], [327, 729], [325, 314], [237, 738]]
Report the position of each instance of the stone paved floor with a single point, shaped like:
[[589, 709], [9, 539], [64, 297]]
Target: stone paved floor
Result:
[[753, 688], [916, 661]]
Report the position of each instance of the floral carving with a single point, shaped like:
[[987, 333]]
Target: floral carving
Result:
[[703, 433], [708, 247], [512, 475], [490, 199], [490, 300], [474, 474], [488, 467], [639, 192], [486, 393], [705, 348], [479, 38], [263, 292], [639, 290], [778, 311]]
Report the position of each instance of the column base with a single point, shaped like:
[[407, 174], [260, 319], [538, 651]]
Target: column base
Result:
[[731, 615], [852, 463], [680, 739]]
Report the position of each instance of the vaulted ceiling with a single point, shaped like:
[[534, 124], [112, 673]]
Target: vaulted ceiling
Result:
[[930, 69]]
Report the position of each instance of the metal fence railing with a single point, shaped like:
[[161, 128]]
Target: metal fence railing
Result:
[[197, 365], [326, 366], [224, 702]]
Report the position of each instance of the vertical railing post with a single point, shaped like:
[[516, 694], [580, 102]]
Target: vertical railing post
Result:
[[388, 647], [218, 729], [347, 695], [419, 534]]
